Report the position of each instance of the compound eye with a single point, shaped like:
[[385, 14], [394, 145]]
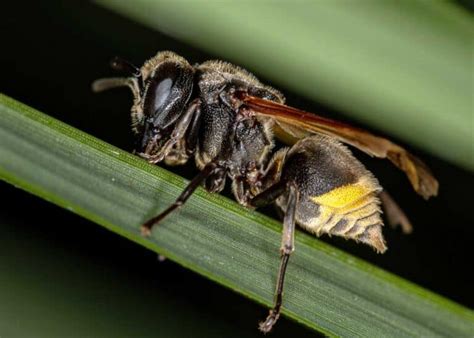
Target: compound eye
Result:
[[167, 91], [160, 88], [160, 92]]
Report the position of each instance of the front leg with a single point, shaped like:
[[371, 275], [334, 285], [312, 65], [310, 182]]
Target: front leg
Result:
[[179, 132]]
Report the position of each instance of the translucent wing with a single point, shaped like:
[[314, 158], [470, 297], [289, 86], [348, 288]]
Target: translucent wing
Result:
[[294, 124]]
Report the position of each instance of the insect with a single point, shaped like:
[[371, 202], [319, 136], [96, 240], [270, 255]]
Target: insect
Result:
[[226, 119]]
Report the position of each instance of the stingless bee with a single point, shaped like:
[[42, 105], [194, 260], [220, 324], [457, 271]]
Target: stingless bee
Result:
[[227, 119]]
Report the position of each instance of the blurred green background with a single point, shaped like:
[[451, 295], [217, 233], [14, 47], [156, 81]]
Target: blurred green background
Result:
[[98, 284]]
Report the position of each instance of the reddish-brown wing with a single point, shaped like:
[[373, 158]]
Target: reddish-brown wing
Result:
[[294, 124]]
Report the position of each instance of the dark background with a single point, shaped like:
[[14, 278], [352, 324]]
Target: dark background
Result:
[[50, 55]]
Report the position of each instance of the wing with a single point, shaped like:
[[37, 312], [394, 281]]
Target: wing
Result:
[[294, 124]]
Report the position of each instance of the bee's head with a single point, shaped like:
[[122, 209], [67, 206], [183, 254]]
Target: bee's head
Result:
[[161, 90]]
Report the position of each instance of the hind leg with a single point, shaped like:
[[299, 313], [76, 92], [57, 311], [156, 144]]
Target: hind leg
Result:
[[287, 243], [395, 214]]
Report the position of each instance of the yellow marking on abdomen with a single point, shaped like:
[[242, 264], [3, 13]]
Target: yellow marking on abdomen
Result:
[[343, 196], [351, 202]]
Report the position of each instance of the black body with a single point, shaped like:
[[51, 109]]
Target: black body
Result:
[[181, 111]]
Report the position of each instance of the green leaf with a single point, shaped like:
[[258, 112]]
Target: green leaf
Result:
[[402, 66], [327, 290]]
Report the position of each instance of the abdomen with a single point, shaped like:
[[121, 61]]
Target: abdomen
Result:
[[338, 196]]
